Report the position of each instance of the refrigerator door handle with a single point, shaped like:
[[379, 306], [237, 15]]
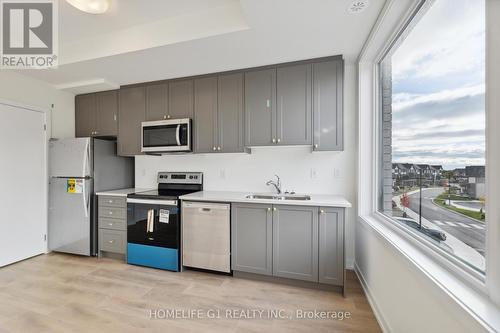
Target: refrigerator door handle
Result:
[[86, 200], [177, 135], [86, 161]]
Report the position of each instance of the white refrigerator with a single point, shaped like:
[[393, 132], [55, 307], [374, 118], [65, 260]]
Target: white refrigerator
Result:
[[78, 168]]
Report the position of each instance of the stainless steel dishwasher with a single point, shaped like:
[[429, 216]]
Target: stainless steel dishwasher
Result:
[[206, 236]]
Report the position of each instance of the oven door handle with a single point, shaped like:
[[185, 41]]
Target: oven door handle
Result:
[[178, 134], [153, 202]]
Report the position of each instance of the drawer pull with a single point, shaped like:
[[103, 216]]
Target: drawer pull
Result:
[[110, 224], [111, 241], [110, 201], [110, 213]]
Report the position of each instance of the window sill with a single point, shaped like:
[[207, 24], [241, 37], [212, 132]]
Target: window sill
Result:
[[470, 298]]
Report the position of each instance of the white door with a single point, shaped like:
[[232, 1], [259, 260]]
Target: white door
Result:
[[23, 180]]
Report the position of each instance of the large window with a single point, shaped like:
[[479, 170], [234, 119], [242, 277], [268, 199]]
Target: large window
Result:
[[433, 129]]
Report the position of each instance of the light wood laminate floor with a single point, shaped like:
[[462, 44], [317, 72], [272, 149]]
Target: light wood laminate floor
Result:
[[64, 293]]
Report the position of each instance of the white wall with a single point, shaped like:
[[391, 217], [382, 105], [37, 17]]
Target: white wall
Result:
[[249, 172], [25, 90]]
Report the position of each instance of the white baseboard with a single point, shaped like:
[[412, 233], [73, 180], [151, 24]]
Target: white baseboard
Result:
[[376, 309]]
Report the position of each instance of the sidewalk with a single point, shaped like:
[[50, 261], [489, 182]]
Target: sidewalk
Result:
[[459, 248]]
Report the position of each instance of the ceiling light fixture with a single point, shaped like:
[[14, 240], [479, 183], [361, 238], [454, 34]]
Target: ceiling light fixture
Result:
[[90, 6], [357, 6]]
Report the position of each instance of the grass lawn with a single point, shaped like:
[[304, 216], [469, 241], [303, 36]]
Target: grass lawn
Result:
[[444, 196], [441, 202]]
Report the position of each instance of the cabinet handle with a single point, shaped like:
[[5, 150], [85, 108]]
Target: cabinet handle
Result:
[[96, 132], [274, 209], [279, 140], [110, 201], [110, 213], [111, 241], [268, 209], [218, 148], [322, 211], [214, 148], [110, 224], [168, 117], [164, 117], [274, 140], [114, 117], [268, 103], [316, 146]]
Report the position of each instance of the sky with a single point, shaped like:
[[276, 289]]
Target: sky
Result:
[[438, 87]]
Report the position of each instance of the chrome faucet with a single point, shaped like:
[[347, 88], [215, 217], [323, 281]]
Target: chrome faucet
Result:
[[276, 184]]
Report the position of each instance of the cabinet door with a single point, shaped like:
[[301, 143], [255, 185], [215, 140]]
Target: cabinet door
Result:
[[294, 114], [230, 113], [295, 242], [107, 114], [85, 110], [180, 99], [132, 111], [328, 105], [156, 102], [251, 238], [205, 115], [331, 246], [260, 107]]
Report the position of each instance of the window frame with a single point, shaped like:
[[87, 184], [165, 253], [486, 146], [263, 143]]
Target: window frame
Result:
[[383, 37]]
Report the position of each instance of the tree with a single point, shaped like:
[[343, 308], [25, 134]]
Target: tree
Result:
[[405, 202]]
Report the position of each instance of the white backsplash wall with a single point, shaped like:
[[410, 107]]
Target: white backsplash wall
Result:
[[299, 169]]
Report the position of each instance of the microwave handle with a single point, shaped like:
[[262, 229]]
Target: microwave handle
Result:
[[178, 134]]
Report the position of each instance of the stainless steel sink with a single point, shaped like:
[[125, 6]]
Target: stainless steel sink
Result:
[[278, 197], [262, 196]]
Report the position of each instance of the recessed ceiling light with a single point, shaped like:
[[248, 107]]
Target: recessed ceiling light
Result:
[[358, 6], [90, 6]]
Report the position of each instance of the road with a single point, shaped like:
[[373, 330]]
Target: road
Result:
[[468, 230]]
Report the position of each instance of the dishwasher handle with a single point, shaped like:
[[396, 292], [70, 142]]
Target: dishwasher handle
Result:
[[205, 206]]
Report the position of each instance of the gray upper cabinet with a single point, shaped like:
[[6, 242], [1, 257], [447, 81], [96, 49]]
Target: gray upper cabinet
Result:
[[260, 107], [295, 242], [294, 113], [251, 238], [156, 102], [328, 105], [230, 113], [85, 106], [132, 112], [96, 114], [205, 115], [106, 114], [180, 99], [331, 246]]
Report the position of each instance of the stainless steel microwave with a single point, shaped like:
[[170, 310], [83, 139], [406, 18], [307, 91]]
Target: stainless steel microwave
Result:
[[173, 135]]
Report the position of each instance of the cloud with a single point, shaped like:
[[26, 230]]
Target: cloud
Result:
[[444, 135]]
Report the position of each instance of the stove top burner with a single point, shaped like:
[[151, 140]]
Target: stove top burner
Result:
[[172, 185]]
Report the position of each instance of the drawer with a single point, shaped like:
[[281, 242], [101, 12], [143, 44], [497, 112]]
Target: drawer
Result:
[[112, 241], [109, 201], [114, 224], [112, 212]]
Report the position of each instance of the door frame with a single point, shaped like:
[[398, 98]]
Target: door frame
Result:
[[45, 192]]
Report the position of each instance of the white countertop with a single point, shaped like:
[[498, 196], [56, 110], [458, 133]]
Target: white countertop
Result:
[[122, 192], [226, 196]]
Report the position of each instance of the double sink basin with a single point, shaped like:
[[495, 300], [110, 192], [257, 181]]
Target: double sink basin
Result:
[[278, 197]]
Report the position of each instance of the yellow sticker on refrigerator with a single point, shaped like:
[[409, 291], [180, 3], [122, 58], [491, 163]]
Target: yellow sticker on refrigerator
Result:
[[74, 185]]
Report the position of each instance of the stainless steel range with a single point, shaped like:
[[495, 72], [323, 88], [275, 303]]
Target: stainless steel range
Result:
[[153, 219]]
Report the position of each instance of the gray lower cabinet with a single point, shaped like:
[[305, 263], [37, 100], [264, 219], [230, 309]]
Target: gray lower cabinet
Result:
[[293, 111], [331, 246], [112, 224], [157, 102], [181, 99], [287, 241], [251, 238], [327, 90], [295, 242], [260, 107], [132, 112]]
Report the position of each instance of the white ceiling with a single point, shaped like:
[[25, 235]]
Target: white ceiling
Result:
[[139, 41]]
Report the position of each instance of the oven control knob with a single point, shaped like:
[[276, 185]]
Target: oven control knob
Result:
[[190, 177]]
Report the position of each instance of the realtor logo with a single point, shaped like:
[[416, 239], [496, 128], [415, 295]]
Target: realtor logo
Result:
[[28, 34]]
